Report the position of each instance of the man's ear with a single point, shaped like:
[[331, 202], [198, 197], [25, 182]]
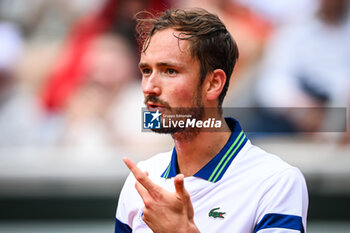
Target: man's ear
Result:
[[215, 84]]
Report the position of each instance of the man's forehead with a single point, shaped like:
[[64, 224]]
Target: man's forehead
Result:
[[168, 38]]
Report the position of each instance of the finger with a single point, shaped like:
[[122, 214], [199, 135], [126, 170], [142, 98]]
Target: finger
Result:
[[140, 176], [179, 185], [190, 210], [184, 195], [143, 193], [140, 189]]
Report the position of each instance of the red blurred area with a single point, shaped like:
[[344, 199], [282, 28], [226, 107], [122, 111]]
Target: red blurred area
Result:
[[66, 75]]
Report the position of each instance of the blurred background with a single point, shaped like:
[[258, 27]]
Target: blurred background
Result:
[[70, 103]]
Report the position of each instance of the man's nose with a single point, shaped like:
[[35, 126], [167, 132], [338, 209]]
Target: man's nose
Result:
[[151, 85]]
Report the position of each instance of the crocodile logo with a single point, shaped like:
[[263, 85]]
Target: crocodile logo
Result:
[[215, 214]]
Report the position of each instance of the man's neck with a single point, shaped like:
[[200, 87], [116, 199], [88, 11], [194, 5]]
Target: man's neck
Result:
[[195, 152]]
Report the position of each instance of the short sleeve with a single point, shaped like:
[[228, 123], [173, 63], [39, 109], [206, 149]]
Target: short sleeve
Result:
[[125, 211], [283, 207], [129, 204]]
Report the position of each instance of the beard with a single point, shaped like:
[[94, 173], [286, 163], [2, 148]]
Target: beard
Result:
[[177, 115]]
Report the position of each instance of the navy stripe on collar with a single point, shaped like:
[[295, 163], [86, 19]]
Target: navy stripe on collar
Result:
[[215, 168]]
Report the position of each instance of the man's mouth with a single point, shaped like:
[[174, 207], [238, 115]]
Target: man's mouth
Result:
[[154, 106]]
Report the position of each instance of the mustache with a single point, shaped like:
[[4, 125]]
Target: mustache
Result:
[[156, 100]]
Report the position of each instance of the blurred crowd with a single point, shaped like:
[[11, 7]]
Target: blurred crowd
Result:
[[69, 76]]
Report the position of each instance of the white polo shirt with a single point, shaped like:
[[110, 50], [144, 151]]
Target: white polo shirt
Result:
[[243, 189]]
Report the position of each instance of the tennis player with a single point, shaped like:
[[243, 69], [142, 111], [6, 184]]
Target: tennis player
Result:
[[212, 181]]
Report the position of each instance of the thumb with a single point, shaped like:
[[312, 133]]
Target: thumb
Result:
[[184, 195], [179, 185]]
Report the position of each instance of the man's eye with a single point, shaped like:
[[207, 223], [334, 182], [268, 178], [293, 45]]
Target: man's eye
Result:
[[171, 71], [146, 71]]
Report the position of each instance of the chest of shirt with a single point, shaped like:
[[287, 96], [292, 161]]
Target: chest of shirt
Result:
[[226, 206]]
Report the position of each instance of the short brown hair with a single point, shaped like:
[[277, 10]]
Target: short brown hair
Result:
[[209, 39]]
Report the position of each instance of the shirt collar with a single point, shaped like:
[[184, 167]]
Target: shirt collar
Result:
[[215, 168]]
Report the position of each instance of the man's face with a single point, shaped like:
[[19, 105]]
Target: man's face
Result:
[[170, 75]]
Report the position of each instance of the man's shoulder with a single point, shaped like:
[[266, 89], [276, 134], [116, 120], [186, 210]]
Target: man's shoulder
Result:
[[157, 162], [155, 166], [263, 163]]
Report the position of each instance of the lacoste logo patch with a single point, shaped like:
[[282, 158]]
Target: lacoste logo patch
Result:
[[216, 214]]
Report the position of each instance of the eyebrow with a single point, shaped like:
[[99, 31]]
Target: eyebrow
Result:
[[160, 64], [143, 65]]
